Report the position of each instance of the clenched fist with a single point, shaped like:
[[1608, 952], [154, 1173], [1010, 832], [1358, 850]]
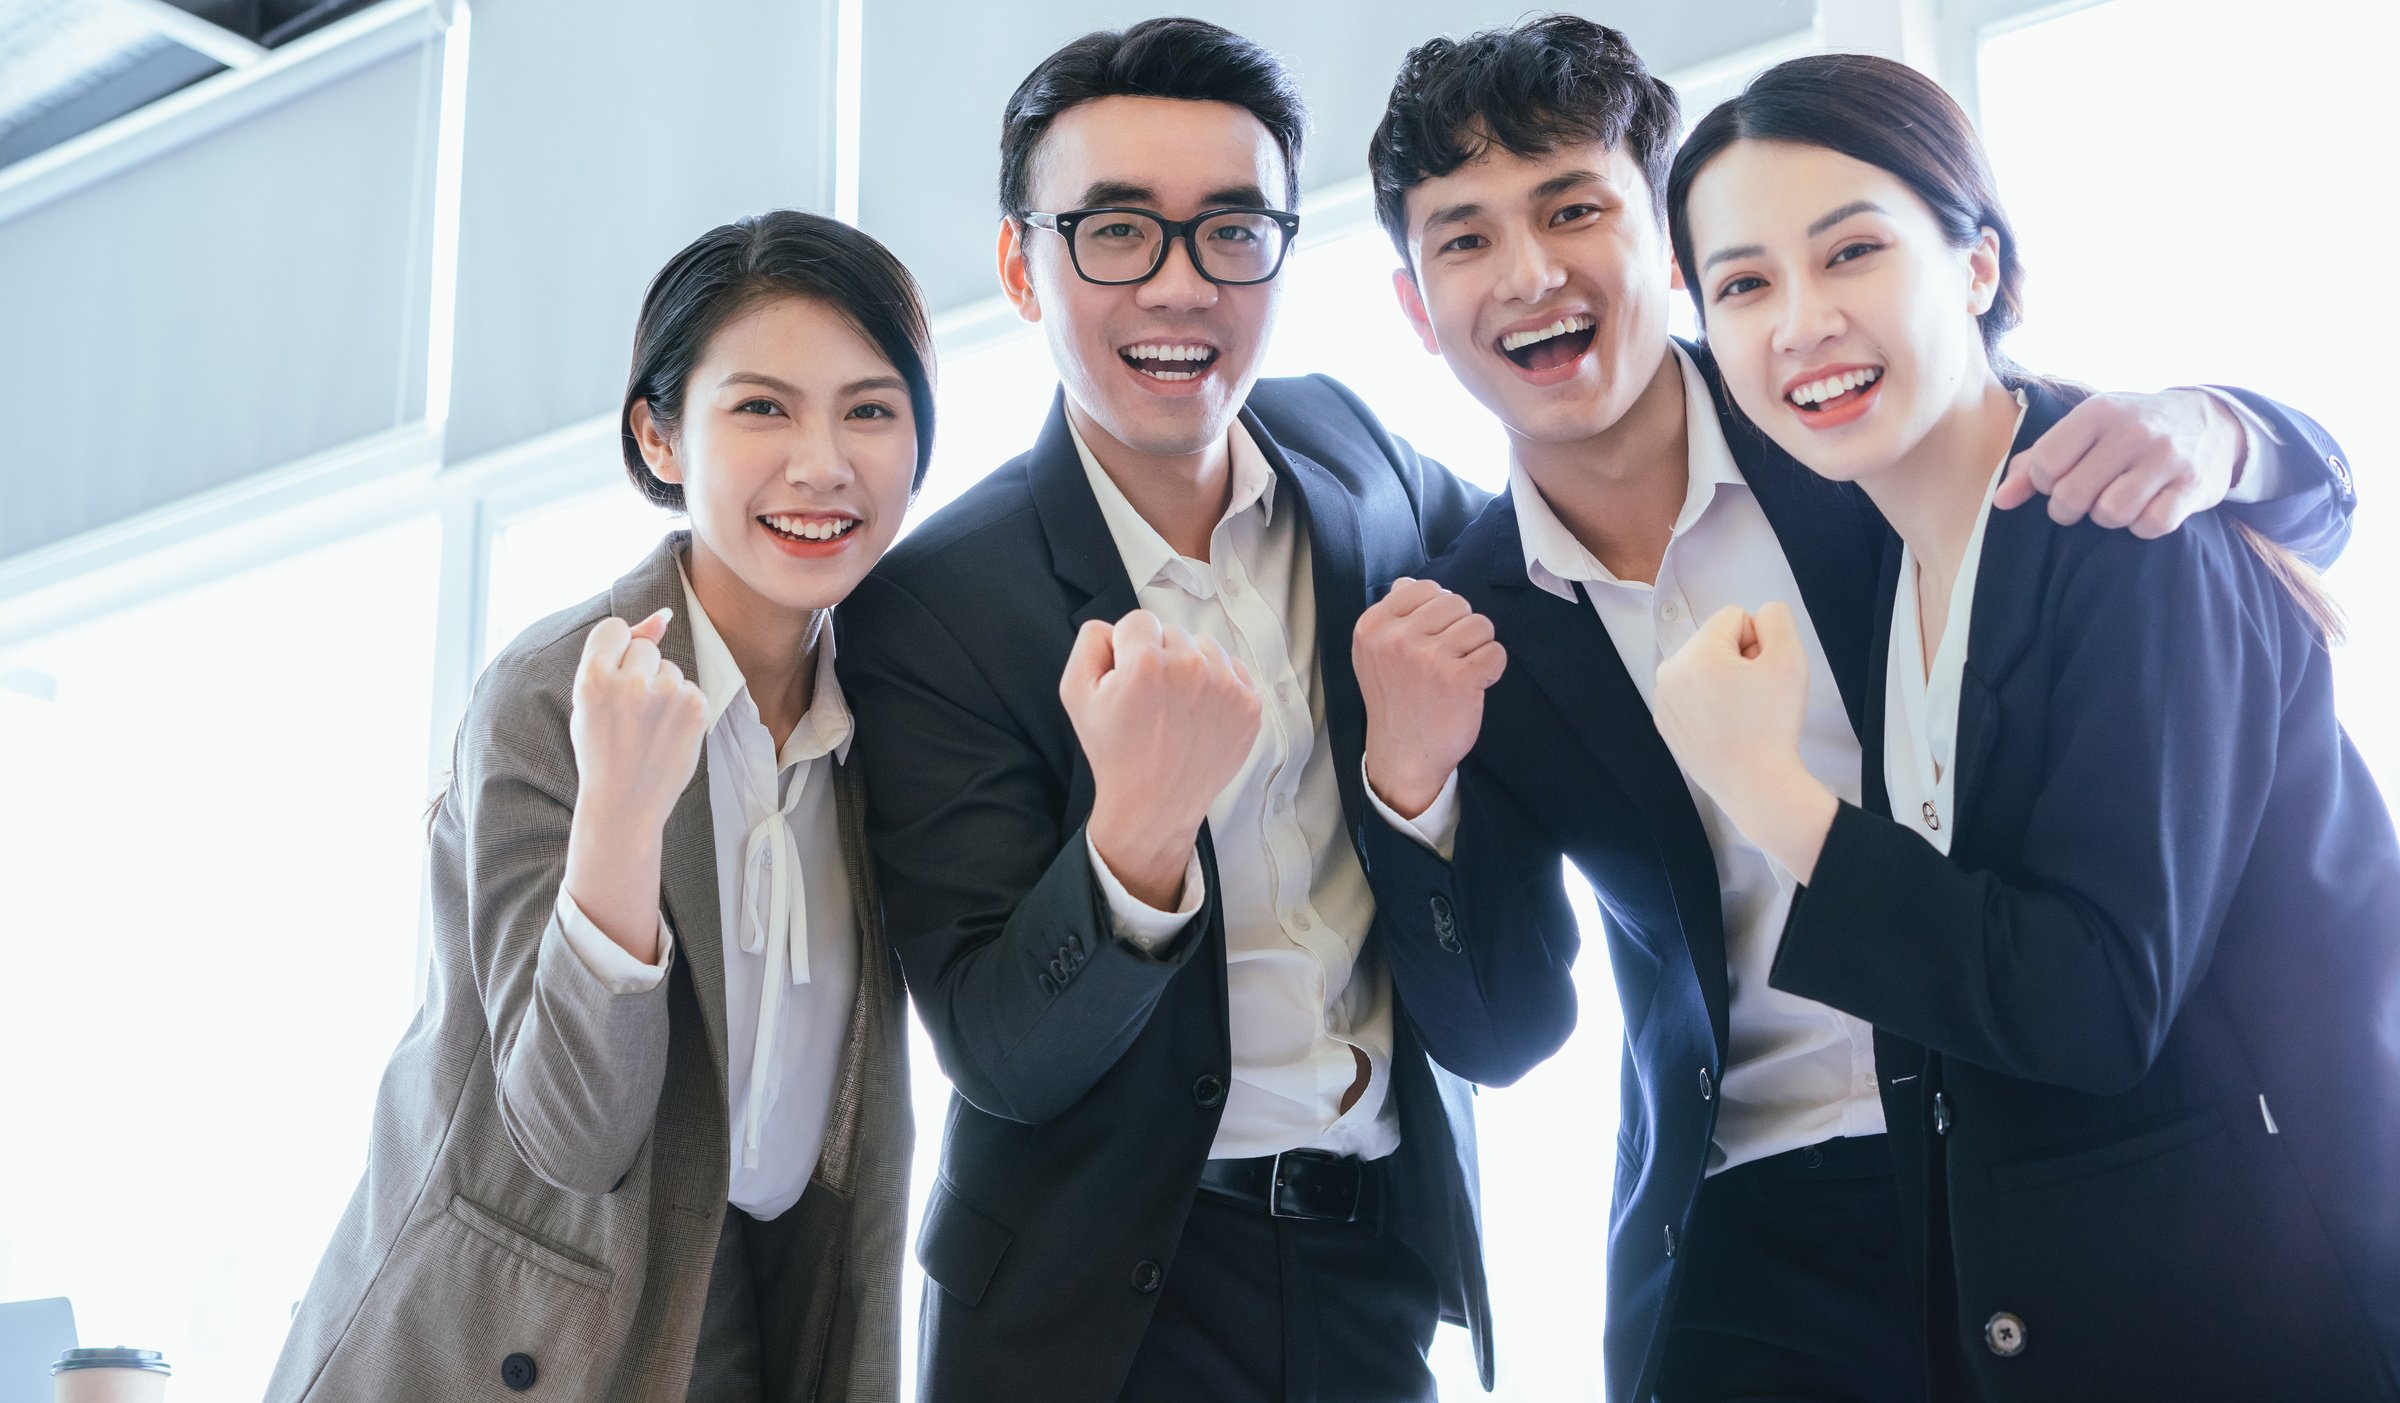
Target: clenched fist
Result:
[[1424, 660], [1731, 704], [637, 723], [1166, 721]]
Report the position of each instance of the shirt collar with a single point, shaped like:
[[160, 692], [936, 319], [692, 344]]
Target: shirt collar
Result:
[[825, 728], [1555, 560], [1146, 553]]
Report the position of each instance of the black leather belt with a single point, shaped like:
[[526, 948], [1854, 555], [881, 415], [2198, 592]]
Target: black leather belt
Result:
[[1308, 1184]]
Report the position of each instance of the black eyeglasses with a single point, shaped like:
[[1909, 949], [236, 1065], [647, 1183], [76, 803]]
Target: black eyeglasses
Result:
[[1114, 246]]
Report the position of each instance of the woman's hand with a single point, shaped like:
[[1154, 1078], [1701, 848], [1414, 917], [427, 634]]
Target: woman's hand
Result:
[[1730, 704], [637, 727]]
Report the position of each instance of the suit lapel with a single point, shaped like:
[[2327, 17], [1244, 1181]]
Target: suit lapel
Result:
[[838, 1162], [688, 850], [1564, 648]]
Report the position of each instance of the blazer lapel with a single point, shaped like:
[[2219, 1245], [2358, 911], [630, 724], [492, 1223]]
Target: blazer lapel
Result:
[[838, 1162], [1082, 553], [1564, 648], [688, 852]]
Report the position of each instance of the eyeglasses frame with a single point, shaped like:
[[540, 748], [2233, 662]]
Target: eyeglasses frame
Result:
[[1063, 224]]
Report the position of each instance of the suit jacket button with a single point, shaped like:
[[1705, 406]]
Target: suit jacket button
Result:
[[1209, 1090], [1445, 920], [518, 1373], [1708, 1085], [2004, 1335], [1146, 1276], [1670, 1239], [1941, 1114]]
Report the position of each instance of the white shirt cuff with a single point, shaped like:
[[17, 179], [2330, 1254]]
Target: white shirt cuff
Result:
[[609, 962], [1436, 829], [2264, 477], [1136, 920]]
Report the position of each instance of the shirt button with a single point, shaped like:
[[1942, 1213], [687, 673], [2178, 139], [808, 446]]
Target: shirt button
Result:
[[1670, 611], [1283, 803], [1283, 691], [1146, 1276], [1233, 584], [1301, 921], [2004, 1335]]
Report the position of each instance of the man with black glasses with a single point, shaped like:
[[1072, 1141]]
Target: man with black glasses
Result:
[[1114, 745]]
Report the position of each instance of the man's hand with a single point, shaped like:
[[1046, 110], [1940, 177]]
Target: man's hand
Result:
[[1424, 660], [2139, 462], [636, 727], [1166, 721], [1730, 704]]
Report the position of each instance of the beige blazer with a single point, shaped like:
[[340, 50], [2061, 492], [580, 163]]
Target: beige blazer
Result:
[[546, 1180]]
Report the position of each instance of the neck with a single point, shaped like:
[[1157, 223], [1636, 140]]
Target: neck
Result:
[[1620, 490], [1182, 495], [1933, 494], [774, 645]]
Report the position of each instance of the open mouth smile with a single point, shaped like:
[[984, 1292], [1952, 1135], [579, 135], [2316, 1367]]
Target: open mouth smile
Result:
[[1550, 346], [1836, 395], [809, 533], [1170, 362]]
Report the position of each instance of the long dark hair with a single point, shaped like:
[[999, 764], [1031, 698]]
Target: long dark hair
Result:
[[732, 268], [1892, 117]]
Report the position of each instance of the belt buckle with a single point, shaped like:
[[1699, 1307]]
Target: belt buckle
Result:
[[1275, 1188]]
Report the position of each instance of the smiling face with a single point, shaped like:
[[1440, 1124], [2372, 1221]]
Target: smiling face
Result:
[[1843, 320], [796, 454], [1161, 366], [1543, 282]]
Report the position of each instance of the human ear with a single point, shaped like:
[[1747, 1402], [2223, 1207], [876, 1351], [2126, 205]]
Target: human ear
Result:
[[1016, 280], [658, 447], [1983, 271], [1412, 306]]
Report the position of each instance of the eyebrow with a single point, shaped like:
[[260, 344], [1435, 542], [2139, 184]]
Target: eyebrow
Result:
[[786, 387], [1820, 226], [1125, 192], [1550, 189]]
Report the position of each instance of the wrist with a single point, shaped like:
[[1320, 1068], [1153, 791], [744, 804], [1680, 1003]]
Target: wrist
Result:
[[1788, 815], [1147, 861], [1401, 789]]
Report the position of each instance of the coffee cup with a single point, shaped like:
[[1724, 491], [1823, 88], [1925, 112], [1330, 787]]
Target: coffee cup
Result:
[[111, 1376]]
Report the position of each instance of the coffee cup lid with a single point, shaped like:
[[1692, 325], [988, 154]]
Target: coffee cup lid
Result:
[[147, 1360]]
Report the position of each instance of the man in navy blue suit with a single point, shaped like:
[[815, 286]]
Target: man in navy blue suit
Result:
[[1759, 1246]]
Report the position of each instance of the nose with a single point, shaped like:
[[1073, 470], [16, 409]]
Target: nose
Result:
[[1805, 318], [815, 459], [1530, 274], [1177, 285]]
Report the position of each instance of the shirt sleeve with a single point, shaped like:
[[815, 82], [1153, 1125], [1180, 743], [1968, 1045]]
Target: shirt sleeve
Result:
[[2265, 476], [1138, 922], [1436, 829], [608, 961]]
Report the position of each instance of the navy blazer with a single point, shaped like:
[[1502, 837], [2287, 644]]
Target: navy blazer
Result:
[[1091, 1075], [2149, 1005], [1568, 765]]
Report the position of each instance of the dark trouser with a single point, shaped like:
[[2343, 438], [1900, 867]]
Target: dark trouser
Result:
[[1272, 1309], [1795, 1285], [760, 1337]]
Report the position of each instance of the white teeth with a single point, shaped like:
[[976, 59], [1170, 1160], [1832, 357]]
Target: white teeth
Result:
[[1819, 391], [1518, 340], [1152, 350], [813, 528]]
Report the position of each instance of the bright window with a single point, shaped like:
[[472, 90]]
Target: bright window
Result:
[[211, 847], [2194, 183]]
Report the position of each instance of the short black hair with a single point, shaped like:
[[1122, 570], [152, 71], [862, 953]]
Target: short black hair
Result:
[[1172, 57], [734, 267], [1530, 88]]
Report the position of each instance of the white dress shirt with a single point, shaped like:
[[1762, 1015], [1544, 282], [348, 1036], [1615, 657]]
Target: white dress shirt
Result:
[[1797, 1071], [1303, 987], [1920, 703], [789, 931]]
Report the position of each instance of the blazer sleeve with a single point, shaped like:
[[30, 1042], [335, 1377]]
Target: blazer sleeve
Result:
[[1481, 947], [2312, 518], [2166, 691], [577, 1068], [1001, 927]]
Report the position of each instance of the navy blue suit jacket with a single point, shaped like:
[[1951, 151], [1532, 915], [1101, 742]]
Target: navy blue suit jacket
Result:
[[1569, 765], [1091, 1075]]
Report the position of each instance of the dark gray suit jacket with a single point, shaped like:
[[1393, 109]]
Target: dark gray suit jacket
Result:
[[548, 1168]]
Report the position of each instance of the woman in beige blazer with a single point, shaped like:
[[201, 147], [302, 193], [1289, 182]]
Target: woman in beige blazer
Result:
[[648, 1137]]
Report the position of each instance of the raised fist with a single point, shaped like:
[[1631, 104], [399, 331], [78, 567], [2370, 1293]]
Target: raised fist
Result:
[[637, 723], [1424, 659], [1166, 721]]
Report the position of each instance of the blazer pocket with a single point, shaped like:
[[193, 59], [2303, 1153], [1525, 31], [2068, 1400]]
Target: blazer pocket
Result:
[[959, 1245], [2114, 1155], [518, 1242]]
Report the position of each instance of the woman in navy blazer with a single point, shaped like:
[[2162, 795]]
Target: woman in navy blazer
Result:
[[2122, 902]]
